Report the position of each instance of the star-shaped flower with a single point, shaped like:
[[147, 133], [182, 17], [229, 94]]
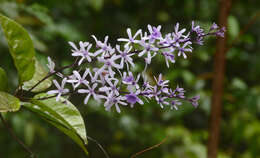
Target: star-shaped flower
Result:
[[131, 39], [60, 89]]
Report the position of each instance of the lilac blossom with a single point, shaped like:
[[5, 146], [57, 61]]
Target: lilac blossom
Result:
[[148, 49], [130, 79], [51, 65], [175, 104], [109, 64], [114, 100], [162, 101], [178, 34], [78, 79], [214, 26], [131, 39], [90, 92], [111, 86], [125, 56], [109, 77], [82, 52], [104, 47], [133, 98], [168, 57], [155, 33], [184, 49], [60, 89], [160, 82], [194, 100]]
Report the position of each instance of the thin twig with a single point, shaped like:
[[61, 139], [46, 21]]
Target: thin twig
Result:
[[242, 31], [53, 73], [26, 148], [150, 148], [53, 96], [99, 145]]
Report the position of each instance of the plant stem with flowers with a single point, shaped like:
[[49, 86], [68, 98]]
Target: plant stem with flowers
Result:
[[110, 79]]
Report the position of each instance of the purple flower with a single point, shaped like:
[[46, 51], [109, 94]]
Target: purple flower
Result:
[[156, 92], [51, 65], [194, 101], [60, 89], [130, 80], [106, 81], [178, 92], [168, 57], [131, 39], [132, 98], [112, 86], [105, 49], [113, 100], [90, 92], [221, 32], [109, 64], [82, 51], [160, 82], [125, 56], [197, 29], [161, 101], [100, 76], [175, 104], [167, 40], [178, 34], [155, 33], [78, 79], [148, 48], [183, 49], [214, 26]]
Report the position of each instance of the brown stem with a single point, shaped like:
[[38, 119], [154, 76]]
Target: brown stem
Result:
[[150, 148], [99, 145], [53, 73], [11, 132], [242, 31], [219, 70]]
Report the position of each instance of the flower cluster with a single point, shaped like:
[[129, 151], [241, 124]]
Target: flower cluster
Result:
[[104, 73]]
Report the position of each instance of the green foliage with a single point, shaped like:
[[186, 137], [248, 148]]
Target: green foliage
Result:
[[20, 46], [3, 80], [39, 74], [54, 22], [63, 115], [8, 103], [96, 4], [233, 27]]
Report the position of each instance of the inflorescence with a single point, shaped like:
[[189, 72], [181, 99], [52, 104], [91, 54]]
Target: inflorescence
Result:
[[110, 79]]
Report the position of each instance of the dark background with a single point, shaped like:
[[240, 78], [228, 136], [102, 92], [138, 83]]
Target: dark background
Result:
[[52, 23]]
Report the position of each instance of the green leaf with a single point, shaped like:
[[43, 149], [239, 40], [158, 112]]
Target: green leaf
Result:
[[71, 134], [3, 80], [8, 103], [233, 27], [63, 115], [237, 83], [96, 4], [20, 46], [29, 133], [39, 74]]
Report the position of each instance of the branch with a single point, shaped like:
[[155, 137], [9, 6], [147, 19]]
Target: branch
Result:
[[26, 148], [150, 148], [242, 31], [99, 145], [218, 80], [53, 73]]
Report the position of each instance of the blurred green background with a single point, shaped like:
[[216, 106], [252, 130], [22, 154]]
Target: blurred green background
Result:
[[52, 23]]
